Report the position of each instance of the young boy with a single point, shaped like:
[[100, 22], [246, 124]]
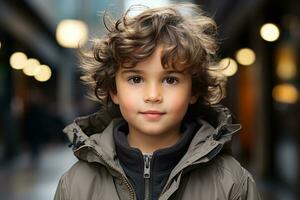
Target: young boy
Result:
[[160, 136]]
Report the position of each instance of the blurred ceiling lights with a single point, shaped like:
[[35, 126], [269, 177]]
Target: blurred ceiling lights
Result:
[[44, 73], [245, 56], [151, 4], [71, 33], [138, 6], [30, 67], [269, 32], [229, 66], [285, 93], [17, 60]]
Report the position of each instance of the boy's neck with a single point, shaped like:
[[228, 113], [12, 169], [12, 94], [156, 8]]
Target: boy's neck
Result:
[[148, 144]]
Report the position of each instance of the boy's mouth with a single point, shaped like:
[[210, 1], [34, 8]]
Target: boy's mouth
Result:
[[152, 114]]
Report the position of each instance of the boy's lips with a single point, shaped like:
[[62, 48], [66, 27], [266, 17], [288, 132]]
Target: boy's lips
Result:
[[152, 114]]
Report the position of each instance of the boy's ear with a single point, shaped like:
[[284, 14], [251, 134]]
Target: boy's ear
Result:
[[194, 98], [114, 97]]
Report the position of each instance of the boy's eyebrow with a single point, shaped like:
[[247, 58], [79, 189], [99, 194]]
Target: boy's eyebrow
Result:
[[124, 71]]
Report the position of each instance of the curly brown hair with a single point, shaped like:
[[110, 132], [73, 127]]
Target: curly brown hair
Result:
[[187, 35]]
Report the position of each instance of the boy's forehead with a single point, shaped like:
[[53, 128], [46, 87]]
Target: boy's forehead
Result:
[[145, 69], [155, 59]]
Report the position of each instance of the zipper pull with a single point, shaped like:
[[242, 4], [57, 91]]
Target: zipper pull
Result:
[[147, 162]]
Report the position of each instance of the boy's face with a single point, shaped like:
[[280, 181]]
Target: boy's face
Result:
[[153, 100]]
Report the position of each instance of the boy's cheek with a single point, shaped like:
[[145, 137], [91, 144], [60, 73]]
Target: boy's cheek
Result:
[[128, 103], [177, 105]]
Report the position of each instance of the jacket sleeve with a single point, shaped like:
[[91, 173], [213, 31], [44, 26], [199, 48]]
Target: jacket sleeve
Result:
[[247, 189], [62, 190]]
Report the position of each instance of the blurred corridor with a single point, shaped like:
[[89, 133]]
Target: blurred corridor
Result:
[[26, 180], [41, 92]]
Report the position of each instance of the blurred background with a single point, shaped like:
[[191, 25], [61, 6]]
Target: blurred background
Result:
[[40, 90]]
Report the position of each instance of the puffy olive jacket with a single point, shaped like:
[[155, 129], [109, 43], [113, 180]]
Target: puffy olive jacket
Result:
[[204, 172]]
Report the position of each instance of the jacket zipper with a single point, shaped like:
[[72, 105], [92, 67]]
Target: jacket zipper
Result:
[[147, 175], [124, 179]]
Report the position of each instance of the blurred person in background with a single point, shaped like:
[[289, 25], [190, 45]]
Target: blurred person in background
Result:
[[41, 125]]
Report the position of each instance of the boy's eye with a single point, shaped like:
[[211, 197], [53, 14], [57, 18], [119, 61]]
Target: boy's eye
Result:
[[135, 80], [171, 80]]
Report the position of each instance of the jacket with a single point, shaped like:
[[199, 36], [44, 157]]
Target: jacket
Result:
[[204, 172], [148, 173]]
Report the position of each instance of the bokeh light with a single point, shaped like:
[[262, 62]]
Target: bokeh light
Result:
[[286, 67], [18, 60], [245, 56], [285, 93], [44, 73], [269, 32], [229, 66], [147, 3], [32, 67], [72, 33]]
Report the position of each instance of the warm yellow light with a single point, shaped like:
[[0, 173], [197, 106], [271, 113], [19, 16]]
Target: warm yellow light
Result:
[[245, 56], [286, 69], [32, 67], [0, 45], [44, 73], [71, 33], [18, 60], [286, 63], [269, 32], [229, 66], [285, 93]]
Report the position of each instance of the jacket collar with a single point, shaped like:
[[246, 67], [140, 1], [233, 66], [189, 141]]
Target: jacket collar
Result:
[[162, 159], [92, 143]]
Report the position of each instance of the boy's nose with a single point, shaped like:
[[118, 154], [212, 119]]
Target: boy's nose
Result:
[[152, 94]]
